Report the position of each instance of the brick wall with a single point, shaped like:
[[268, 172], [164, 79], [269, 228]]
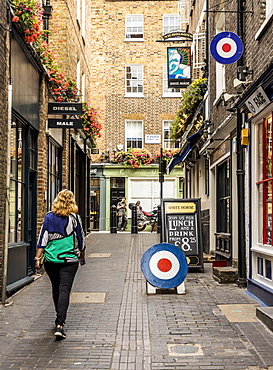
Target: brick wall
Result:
[[257, 54], [4, 52], [70, 42], [110, 55], [42, 176]]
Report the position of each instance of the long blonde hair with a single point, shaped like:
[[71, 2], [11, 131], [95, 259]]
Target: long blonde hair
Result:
[[64, 203]]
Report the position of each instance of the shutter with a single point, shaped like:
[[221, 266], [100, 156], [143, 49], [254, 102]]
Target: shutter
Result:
[[199, 54]]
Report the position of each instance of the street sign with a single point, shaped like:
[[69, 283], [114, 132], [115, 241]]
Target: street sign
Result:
[[95, 151], [64, 123], [164, 266], [65, 108], [226, 47]]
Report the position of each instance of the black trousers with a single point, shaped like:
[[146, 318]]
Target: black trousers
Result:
[[61, 276]]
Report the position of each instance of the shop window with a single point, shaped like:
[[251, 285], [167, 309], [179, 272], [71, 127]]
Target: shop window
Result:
[[54, 172], [17, 182], [264, 182], [206, 176], [134, 80], [134, 134], [134, 27], [268, 269], [260, 266], [117, 190], [223, 198], [168, 142]]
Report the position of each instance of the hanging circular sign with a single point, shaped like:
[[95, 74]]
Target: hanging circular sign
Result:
[[164, 266], [226, 47]]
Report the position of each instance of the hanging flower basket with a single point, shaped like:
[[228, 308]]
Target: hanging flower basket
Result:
[[28, 14], [90, 123], [134, 157], [167, 154]]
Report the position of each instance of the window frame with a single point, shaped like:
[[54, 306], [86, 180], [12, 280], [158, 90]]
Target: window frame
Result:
[[18, 183], [127, 121], [137, 94], [267, 21], [171, 92], [265, 181], [171, 28], [164, 141], [54, 152], [127, 34]]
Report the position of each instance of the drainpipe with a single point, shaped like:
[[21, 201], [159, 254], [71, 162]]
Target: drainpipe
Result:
[[241, 282]]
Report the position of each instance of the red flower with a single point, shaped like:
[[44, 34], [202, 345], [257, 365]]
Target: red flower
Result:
[[15, 19]]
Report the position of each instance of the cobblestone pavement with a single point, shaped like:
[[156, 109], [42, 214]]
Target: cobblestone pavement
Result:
[[113, 324]]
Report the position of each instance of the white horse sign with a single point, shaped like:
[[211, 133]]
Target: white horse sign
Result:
[[179, 67]]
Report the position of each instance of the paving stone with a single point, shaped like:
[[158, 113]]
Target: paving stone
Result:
[[129, 329]]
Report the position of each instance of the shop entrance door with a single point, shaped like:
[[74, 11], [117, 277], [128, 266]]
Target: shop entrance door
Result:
[[223, 204]]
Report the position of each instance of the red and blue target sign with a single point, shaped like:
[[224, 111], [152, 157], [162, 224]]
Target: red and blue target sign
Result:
[[164, 266], [226, 47]]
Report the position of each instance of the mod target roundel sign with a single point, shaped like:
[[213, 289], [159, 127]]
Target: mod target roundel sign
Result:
[[164, 266], [226, 47]]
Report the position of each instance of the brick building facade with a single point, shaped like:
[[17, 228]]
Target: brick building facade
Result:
[[129, 85], [235, 154], [41, 160]]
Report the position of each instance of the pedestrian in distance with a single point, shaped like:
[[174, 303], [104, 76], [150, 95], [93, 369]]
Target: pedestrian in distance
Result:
[[138, 206], [122, 218], [139, 209], [61, 241]]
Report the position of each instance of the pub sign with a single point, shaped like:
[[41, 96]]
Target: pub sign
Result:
[[182, 228], [179, 67]]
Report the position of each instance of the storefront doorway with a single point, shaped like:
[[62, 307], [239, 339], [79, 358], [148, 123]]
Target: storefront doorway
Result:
[[223, 213]]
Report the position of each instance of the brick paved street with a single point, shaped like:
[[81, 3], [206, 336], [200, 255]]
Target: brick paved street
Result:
[[112, 323]]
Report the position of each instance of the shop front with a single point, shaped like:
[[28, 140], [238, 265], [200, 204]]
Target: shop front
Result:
[[115, 181], [24, 130], [261, 243], [258, 106]]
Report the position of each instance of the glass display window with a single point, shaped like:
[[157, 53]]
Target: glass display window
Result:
[[264, 181]]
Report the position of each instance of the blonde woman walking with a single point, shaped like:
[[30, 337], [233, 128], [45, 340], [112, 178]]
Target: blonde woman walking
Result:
[[62, 241]]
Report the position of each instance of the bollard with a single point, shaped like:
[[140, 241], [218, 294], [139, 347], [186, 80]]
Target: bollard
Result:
[[159, 222], [134, 229], [113, 220]]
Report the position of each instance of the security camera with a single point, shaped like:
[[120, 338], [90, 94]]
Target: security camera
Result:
[[237, 82]]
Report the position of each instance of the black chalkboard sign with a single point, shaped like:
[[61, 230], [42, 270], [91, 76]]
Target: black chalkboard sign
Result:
[[182, 228]]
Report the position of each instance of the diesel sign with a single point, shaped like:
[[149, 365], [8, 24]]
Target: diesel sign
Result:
[[65, 108]]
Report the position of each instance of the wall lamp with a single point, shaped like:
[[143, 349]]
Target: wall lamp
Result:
[[237, 83], [226, 97]]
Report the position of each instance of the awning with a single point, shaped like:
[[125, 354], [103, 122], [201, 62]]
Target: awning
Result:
[[184, 152]]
